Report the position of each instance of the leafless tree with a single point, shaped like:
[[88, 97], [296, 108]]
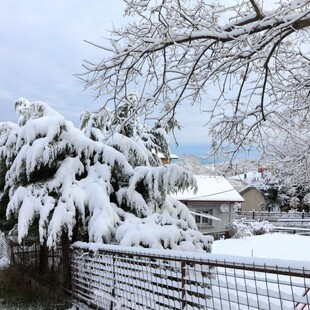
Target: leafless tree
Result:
[[288, 150], [175, 51]]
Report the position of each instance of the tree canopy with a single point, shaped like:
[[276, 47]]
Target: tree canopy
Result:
[[109, 189], [178, 51]]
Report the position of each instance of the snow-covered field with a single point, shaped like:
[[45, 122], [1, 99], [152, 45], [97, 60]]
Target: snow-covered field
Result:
[[278, 291], [276, 245]]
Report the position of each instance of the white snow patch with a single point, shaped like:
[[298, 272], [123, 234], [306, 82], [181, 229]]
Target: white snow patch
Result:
[[275, 246]]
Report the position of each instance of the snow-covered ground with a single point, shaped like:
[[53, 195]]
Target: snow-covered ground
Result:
[[276, 245]]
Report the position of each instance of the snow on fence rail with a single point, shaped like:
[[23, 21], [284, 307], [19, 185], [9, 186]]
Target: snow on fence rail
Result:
[[115, 277], [271, 216]]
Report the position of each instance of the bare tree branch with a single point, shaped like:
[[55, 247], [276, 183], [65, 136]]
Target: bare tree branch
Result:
[[173, 50]]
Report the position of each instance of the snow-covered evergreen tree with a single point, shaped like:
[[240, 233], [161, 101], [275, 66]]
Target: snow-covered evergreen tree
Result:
[[123, 130], [105, 189]]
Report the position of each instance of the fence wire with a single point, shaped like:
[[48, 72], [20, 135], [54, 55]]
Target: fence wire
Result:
[[124, 278]]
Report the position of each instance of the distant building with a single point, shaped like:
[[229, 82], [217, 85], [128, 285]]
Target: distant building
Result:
[[164, 159], [253, 199], [213, 203]]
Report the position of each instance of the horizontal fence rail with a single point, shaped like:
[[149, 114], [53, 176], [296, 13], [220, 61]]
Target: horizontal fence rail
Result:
[[115, 277], [294, 223], [271, 216]]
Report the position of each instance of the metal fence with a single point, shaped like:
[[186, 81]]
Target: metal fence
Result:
[[27, 259], [294, 223], [113, 277], [294, 226], [270, 216]]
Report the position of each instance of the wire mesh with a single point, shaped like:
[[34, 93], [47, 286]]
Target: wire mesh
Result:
[[118, 278]]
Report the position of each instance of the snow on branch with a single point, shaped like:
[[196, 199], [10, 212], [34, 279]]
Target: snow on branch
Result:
[[60, 182], [179, 50]]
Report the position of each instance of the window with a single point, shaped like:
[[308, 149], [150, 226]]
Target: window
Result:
[[202, 219]]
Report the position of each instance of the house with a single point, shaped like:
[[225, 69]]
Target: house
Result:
[[253, 199], [164, 159], [213, 203]]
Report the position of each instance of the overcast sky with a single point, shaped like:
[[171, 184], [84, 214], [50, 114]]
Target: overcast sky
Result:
[[42, 48]]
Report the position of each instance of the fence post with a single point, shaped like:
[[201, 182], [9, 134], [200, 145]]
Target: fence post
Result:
[[183, 284], [36, 255], [52, 279], [114, 282], [22, 270], [12, 251]]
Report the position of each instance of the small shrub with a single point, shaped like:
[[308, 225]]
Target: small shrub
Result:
[[261, 228], [239, 229]]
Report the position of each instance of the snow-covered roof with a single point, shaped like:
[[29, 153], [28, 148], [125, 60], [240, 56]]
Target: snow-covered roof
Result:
[[250, 175], [173, 156], [162, 156], [238, 185], [211, 188]]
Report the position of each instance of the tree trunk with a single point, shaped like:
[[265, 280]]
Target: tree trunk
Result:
[[66, 261], [43, 259]]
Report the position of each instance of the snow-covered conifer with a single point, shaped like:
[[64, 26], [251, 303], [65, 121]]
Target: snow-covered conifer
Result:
[[64, 183], [121, 128]]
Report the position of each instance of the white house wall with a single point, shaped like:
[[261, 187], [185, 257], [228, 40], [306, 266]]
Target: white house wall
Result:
[[217, 226]]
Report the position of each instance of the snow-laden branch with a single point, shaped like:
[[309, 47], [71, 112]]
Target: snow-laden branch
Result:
[[57, 181], [179, 49]]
